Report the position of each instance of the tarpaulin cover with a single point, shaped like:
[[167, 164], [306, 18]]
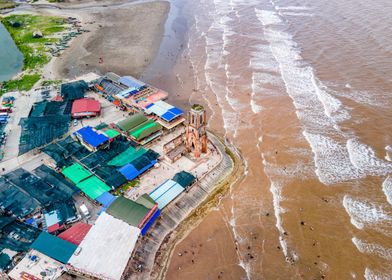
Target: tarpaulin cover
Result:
[[111, 133], [76, 173], [150, 222], [76, 233], [184, 178], [54, 247], [129, 172], [127, 156], [93, 187], [106, 199], [146, 200], [91, 137], [73, 90], [127, 210]]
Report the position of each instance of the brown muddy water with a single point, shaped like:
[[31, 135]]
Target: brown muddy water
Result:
[[303, 89]]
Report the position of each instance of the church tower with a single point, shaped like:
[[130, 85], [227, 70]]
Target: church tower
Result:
[[196, 133]]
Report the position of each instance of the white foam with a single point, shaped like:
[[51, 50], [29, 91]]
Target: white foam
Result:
[[367, 214], [295, 14], [332, 160], [372, 275], [365, 159], [388, 153], [294, 8], [255, 108], [387, 189], [269, 17], [372, 249]]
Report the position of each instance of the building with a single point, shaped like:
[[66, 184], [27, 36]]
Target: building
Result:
[[91, 139], [85, 107], [167, 115], [196, 133], [105, 250]]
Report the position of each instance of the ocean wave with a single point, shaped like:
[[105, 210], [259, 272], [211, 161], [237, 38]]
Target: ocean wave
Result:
[[387, 189], [372, 249], [367, 214], [373, 275]]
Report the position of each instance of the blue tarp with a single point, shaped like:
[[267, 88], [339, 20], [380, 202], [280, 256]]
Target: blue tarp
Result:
[[150, 222], [106, 199], [129, 171], [130, 82], [91, 137]]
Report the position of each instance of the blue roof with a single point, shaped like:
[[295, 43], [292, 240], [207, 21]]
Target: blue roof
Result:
[[129, 171], [106, 199], [54, 247], [91, 137], [131, 82], [150, 222], [166, 193]]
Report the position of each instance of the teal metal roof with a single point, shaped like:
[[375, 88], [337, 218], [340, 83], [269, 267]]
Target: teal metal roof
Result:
[[54, 247]]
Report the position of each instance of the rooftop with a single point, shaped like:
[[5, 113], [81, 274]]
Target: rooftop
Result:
[[106, 248], [85, 105]]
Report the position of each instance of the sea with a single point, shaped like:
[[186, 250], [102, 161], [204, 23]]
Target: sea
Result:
[[11, 59], [303, 89]]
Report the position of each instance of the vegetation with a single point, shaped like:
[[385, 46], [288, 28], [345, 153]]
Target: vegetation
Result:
[[197, 107], [51, 82], [126, 187], [26, 82], [33, 49]]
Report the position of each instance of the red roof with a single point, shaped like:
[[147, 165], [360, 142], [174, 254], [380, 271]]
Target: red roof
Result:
[[76, 233], [54, 227], [57, 98], [85, 105]]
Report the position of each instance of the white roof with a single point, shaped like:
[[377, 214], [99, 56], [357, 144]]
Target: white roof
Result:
[[106, 249], [34, 263], [159, 108]]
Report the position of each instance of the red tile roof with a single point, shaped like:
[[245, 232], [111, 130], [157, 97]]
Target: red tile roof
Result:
[[85, 105], [76, 233]]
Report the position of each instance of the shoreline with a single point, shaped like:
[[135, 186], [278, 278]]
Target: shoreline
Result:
[[155, 251], [199, 213]]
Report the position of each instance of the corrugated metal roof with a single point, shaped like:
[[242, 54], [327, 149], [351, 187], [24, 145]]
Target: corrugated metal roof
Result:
[[132, 122], [76, 233], [106, 248], [164, 110], [111, 133], [131, 82], [166, 192], [54, 247], [85, 105], [128, 211], [146, 201]]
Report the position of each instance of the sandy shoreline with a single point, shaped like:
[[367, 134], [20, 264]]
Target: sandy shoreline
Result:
[[124, 36]]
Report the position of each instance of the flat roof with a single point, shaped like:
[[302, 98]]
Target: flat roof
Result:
[[128, 211], [106, 248], [35, 264]]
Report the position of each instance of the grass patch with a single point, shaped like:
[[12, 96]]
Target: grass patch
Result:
[[33, 49], [26, 82]]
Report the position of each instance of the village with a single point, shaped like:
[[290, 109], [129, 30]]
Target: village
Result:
[[96, 173]]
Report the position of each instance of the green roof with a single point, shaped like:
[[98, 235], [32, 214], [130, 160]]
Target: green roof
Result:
[[132, 122], [93, 187], [127, 210], [146, 201], [127, 156], [54, 247], [145, 130], [111, 133], [76, 173]]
